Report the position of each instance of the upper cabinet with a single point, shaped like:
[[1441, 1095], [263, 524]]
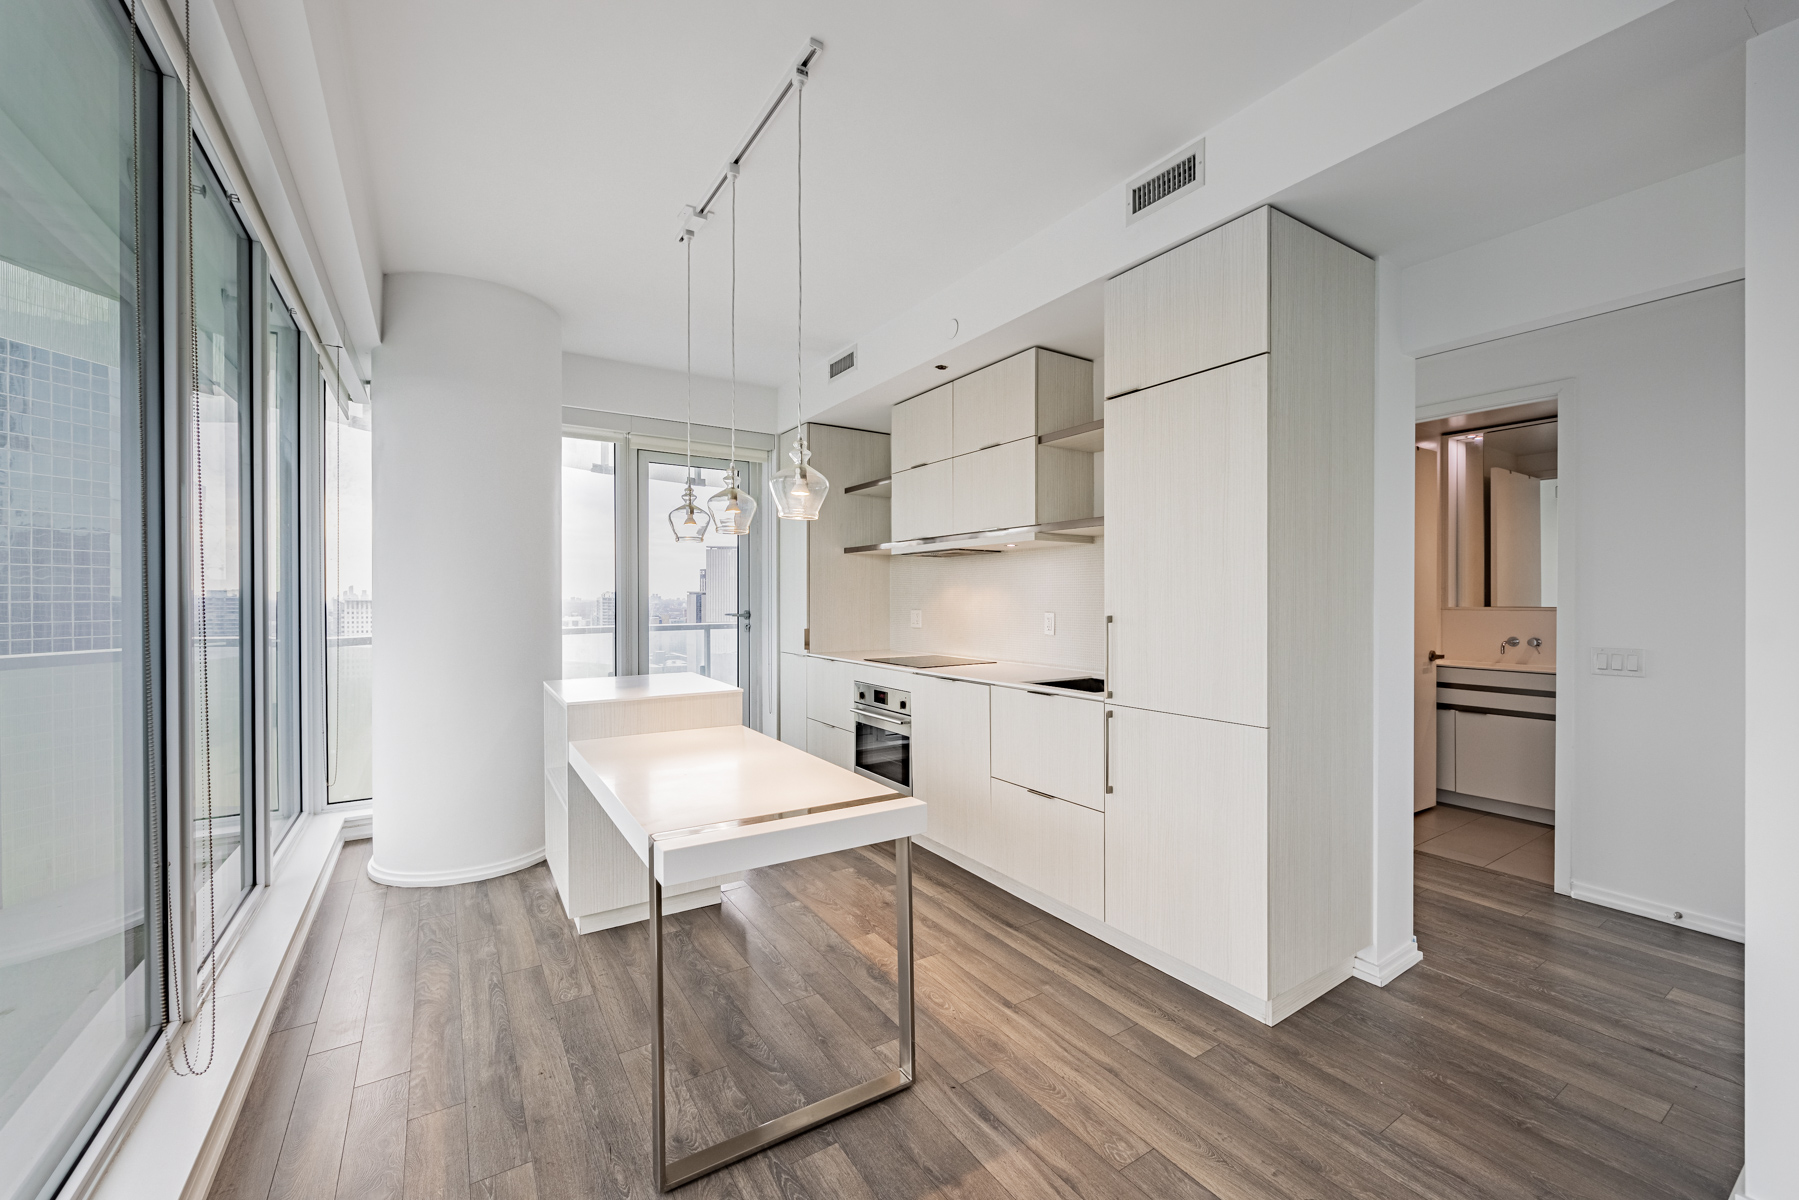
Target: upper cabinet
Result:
[[921, 429], [966, 458], [1198, 306]]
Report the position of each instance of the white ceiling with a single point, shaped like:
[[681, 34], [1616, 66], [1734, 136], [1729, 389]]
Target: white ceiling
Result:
[[550, 144]]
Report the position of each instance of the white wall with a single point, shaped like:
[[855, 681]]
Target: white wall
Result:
[[992, 606], [620, 387], [469, 376], [1772, 495], [1657, 241], [1657, 472]]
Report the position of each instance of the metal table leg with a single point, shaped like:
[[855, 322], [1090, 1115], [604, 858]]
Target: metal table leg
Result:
[[769, 1133]]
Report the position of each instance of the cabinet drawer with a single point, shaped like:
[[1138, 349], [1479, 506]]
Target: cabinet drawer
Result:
[[1200, 305], [828, 692], [1050, 743], [995, 404], [921, 430], [1051, 845], [1505, 758], [995, 488], [922, 501], [835, 746]]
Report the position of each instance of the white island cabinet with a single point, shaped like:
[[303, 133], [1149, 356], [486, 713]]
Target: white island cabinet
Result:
[[1238, 487]]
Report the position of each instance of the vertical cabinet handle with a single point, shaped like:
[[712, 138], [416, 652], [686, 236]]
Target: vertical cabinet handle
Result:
[[1106, 756], [1108, 671]]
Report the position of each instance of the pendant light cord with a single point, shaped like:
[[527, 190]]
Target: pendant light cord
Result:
[[688, 241], [732, 465], [799, 237]]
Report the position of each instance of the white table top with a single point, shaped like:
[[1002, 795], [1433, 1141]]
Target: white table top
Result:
[[655, 784], [635, 687]]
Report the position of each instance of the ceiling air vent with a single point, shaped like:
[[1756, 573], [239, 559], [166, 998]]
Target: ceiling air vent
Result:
[[1172, 178], [845, 363]]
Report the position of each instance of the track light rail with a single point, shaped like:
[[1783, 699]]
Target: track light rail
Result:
[[694, 216]]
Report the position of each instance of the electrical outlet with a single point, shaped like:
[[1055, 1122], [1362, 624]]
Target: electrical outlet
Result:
[[917, 618], [1049, 624], [1619, 660]]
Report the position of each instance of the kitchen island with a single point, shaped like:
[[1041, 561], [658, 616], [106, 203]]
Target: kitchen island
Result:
[[692, 796]]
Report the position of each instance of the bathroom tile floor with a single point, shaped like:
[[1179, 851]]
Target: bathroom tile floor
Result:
[[1521, 848]]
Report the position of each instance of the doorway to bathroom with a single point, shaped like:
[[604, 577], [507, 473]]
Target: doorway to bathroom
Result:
[[1489, 512]]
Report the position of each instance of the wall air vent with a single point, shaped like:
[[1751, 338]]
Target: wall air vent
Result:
[[1175, 177], [846, 362]]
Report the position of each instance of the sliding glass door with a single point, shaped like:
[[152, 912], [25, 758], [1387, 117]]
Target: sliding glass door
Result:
[[349, 596], [279, 488], [694, 596], [79, 930]]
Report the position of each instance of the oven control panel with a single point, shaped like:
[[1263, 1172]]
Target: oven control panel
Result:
[[890, 699]]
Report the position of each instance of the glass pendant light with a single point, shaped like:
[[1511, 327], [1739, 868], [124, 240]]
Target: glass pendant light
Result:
[[733, 508], [799, 489], [687, 519]]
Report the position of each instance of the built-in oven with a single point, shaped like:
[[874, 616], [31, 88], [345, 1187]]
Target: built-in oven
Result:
[[884, 735]]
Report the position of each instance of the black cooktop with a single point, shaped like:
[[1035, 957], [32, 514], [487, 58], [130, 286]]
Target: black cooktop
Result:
[[927, 661]]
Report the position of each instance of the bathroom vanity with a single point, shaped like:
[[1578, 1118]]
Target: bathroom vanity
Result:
[[1496, 738]]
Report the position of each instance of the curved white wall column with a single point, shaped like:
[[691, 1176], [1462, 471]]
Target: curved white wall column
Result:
[[468, 394]]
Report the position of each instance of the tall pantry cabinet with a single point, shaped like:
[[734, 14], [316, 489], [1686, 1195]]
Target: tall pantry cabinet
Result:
[[1238, 490]]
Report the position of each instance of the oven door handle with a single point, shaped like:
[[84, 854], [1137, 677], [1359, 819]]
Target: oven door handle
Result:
[[896, 724]]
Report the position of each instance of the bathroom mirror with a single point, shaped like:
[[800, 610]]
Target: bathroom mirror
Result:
[[1500, 498]]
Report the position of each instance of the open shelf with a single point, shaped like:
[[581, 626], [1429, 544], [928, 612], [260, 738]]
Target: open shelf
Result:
[[878, 489], [1089, 438]]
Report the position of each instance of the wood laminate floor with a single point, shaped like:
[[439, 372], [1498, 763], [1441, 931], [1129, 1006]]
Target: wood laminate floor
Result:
[[462, 1042]]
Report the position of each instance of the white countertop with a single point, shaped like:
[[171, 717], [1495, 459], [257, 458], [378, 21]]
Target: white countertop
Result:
[[634, 687], [1000, 674], [654, 784], [1537, 668]]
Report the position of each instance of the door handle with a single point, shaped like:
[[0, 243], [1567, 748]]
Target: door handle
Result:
[[1106, 755], [1108, 670], [1433, 656], [745, 614]]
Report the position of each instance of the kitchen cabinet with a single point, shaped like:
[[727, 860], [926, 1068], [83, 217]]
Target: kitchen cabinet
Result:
[[995, 488], [835, 746], [1200, 305], [1033, 392], [1186, 832], [921, 429], [793, 699], [951, 763], [1051, 744], [829, 599], [922, 505], [828, 695], [1052, 846], [1238, 498]]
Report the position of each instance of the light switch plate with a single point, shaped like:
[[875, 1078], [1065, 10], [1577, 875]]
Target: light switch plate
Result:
[[1049, 624], [1618, 660], [917, 618]]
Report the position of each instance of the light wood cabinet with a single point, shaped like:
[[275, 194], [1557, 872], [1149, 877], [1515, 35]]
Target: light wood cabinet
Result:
[[995, 488], [922, 501], [828, 697], [1187, 544], [951, 763], [1239, 484], [830, 600], [1505, 758], [1201, 305], [1052, 846], [836, 746], [1052, 744], [1033, 392], [793, 699], [921, 430]]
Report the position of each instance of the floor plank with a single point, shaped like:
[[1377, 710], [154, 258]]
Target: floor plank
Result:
[[374, 1162], [437, 1156], [387, 1027], [248, 1165], [352, 975], [313, 1149]]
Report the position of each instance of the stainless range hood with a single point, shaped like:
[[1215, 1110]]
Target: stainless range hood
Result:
[[1080, 532]]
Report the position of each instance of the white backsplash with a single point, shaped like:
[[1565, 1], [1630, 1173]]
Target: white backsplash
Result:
[[992, 606]]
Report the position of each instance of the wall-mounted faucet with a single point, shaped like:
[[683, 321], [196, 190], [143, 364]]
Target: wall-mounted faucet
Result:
[[1511, 641], [1535, 643]]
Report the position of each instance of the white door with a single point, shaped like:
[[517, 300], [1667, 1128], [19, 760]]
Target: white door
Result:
[[1187, 544]]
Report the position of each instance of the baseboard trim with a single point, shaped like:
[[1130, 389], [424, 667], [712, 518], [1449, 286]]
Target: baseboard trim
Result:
[[1269, 1012], [1738, 1191], [519, 862], [630, 914], [1657, 911], [1384, 971]]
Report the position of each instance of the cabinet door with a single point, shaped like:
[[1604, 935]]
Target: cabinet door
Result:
[[922, 501], [828, 692], [921, 429], [1446, 749], [1187, 545], [1187, 842], [995, 404], [793, 699], [836, 746], [996, 488], [1505, 758], [950, 763], [1202, 304], [1051, 845], [1049, 743]]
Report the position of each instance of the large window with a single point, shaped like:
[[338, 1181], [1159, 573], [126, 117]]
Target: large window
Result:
[[79, 984], [349, 598], [280, 466], [589, 558], [695, 590]]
